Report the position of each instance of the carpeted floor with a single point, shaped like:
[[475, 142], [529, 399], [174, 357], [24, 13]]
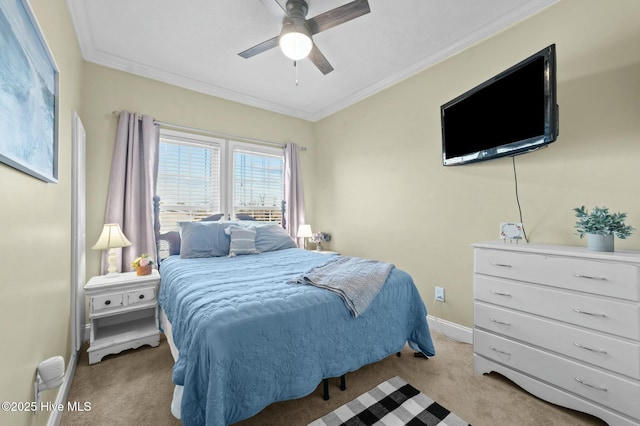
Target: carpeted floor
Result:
[[134, 388]]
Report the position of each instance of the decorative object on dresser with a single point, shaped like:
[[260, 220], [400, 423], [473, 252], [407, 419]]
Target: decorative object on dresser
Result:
[[563, 323], [123, 313], [511, 231], [600, 226], [143, 264], [110, 239]]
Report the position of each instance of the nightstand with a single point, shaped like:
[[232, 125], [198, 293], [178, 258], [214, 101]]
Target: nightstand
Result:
[[123, 313], [325, 252]]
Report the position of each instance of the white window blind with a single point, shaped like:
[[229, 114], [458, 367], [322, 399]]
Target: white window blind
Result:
[[188, 181], [200, 176], [258, 185]]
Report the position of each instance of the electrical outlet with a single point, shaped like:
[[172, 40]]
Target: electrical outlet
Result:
[[440, 294]]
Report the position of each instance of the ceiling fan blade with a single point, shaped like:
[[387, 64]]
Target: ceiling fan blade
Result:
[[319, 60], [259, 48], [275, 8], [338, 16]]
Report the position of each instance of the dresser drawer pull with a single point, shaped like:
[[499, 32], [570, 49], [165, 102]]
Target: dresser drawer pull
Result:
[[497, 293], [141, 297], [502, 265], [107, 302], [600, 388], [593, 314], [600, 351], [499, 322], [493, 348], [588, 277]]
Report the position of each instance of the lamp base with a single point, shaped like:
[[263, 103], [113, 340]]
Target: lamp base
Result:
[[110, 275], [112, 272]]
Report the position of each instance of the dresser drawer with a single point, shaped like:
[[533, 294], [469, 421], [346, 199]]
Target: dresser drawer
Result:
[[142, 295], [620, 280], [601, 387], [614, 354], [106, 301], [610, 316]]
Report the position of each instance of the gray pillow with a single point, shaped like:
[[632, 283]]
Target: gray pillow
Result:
[[203, 239], [243, 240], [271, 237]]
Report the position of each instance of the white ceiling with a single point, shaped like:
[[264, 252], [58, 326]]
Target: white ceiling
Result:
[[195, 44]]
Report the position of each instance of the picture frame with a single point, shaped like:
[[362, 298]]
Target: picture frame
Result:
[[511, 231], [29, 93]]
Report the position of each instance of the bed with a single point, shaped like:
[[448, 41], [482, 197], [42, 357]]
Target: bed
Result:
[[244, 334]]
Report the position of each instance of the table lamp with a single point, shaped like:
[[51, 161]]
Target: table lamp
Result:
[[304, 231], [111, 239]]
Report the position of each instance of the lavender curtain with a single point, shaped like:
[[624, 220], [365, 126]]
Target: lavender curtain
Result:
[[134, 173], [293, 192]]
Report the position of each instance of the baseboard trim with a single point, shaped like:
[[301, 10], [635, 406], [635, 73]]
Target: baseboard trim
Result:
[[451, 329], [63, 392]]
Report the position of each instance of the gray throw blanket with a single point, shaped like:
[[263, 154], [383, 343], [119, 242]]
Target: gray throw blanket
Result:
[[357, 281]]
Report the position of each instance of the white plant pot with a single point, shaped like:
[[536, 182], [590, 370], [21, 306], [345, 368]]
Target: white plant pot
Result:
[[599, 242]]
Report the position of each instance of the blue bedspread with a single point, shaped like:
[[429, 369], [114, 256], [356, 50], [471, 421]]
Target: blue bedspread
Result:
[[247, 338]]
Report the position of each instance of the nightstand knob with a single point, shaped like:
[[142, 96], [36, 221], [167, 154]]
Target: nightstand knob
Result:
[[107, 302], [141, 296]]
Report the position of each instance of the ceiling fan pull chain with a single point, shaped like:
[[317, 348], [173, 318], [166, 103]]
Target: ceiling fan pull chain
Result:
[[295, 65]]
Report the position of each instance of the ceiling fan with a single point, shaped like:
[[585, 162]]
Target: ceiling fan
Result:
[[295, 39]]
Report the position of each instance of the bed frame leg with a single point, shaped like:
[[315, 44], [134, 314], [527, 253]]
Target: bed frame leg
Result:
[[325, 383], [325, 386]]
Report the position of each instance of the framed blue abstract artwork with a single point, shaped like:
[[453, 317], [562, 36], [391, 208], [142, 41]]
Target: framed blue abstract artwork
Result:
[[28, 94]]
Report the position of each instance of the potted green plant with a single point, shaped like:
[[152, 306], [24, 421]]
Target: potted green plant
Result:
[[601, 227]]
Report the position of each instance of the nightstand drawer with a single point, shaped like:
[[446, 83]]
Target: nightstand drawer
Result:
[[106, 301], [141, 295]]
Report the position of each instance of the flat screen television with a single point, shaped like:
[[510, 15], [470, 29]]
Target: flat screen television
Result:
[[512, 113]]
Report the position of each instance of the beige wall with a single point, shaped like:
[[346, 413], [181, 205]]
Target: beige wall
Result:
[[372, 173], [107, 90], [36, 241], [382, 192]]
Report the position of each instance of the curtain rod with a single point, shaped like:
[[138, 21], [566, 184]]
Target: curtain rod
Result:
[[218, 134]]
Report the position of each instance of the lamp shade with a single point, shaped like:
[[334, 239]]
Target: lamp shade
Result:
[[111, 237], [295, 40], [304, 231]]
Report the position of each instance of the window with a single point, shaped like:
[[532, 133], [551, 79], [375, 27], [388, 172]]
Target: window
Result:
[[258, 186], [200, 176]]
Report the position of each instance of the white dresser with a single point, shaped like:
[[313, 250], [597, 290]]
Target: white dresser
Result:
[[563, 323], [123, 312]]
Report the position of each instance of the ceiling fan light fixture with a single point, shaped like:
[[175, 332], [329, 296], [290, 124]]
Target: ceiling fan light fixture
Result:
[[295, 41]]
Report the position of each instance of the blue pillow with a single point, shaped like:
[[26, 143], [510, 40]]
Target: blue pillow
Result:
[[203, 239], [271, 237]]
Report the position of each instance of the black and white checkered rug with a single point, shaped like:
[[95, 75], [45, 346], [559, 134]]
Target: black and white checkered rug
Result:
[[392, 403]]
